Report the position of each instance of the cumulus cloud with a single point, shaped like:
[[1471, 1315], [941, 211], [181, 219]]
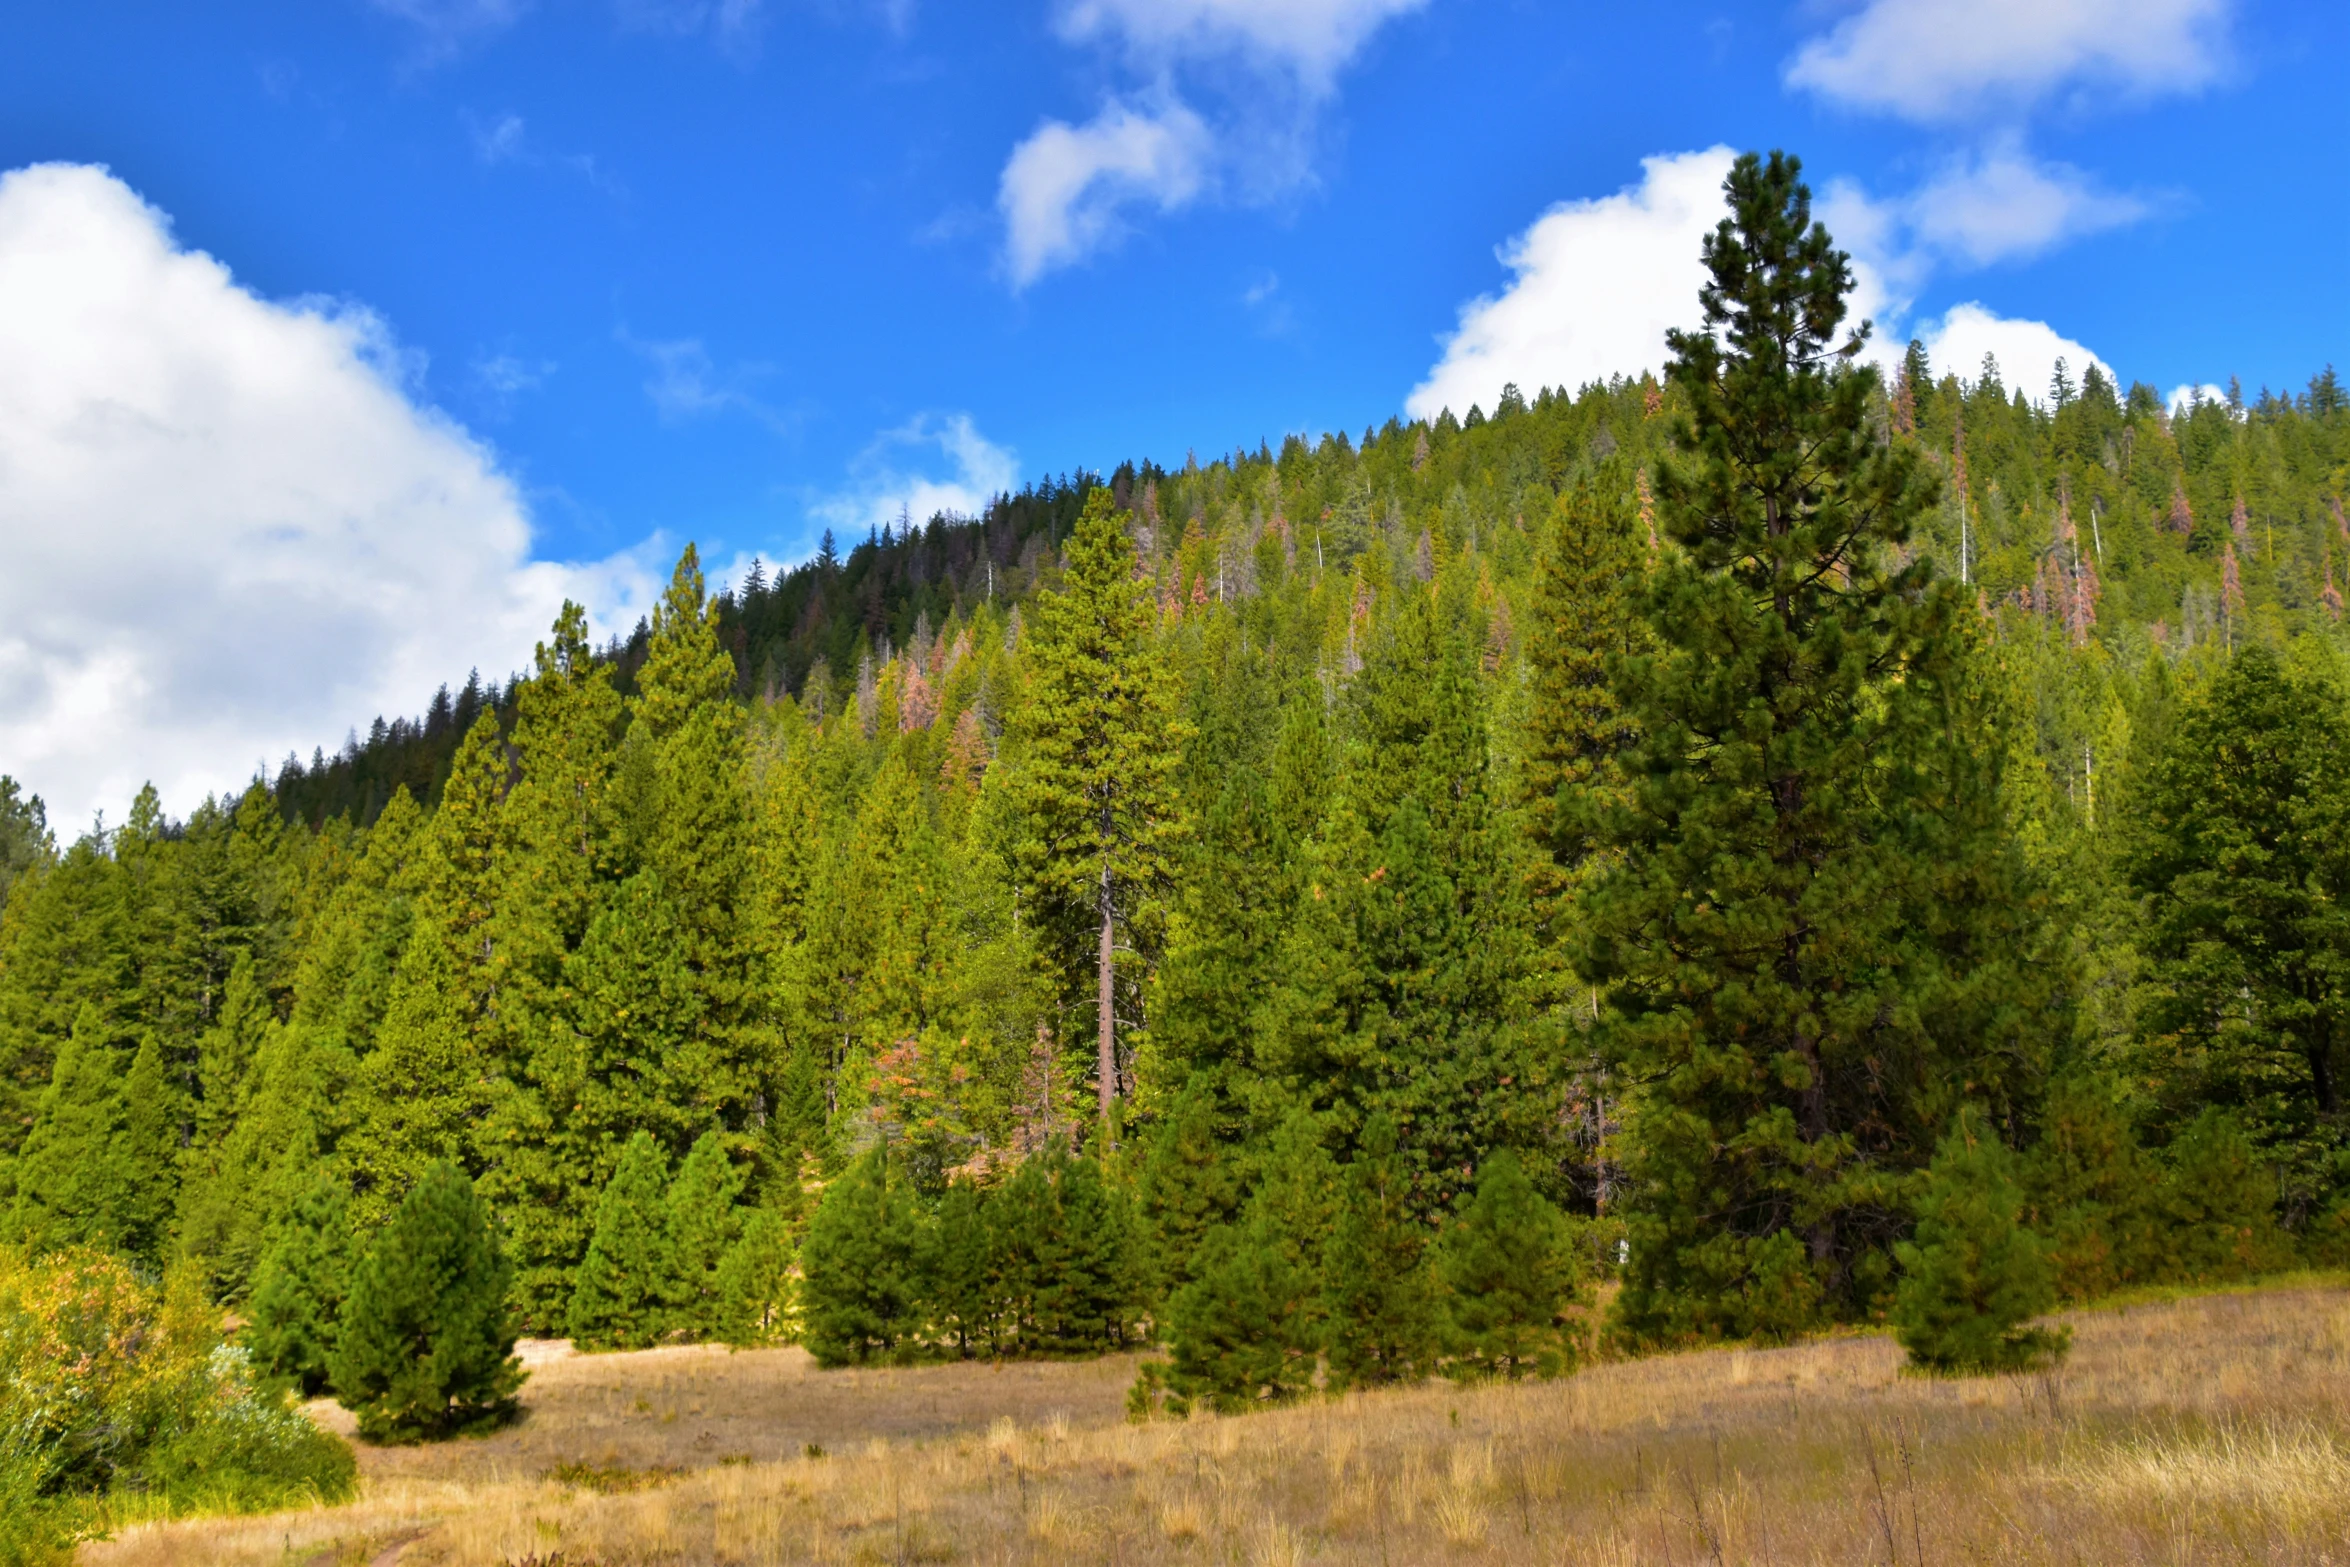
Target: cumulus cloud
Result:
[[1066, 186], [1933, 60], [900, 475], [2025, 351], [232, 530], [1597, 284], [1979, 209], [2187, 395], [1269, 65]]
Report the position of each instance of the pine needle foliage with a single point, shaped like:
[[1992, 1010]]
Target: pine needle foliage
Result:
[[1973, 1276], [426, 1347]]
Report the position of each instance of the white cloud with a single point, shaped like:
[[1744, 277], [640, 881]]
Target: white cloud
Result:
[[1314, 39], [1065, 187], [1598, 283], [893, 477], [687, 384], [732, 24], [231, 531], [1945, 59], [2026, 351], [2187, 395], [2008, 205], [446, 27], [1268, 65], [497, 141]]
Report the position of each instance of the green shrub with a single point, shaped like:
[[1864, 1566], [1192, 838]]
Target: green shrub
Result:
[[111, 1388], [1973, 1277], [427, 1342]]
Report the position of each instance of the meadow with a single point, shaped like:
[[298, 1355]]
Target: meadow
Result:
[[2211, 1428]]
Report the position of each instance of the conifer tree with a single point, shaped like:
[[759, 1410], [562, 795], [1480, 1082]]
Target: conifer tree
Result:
[[1188, 1186], [425, 1086], [624, 1295], [1973, 1277], [1250, 1325], [697, 840], [1509, 1271], [146, 1153], [704, 1224], [72, 1187], [2237, 843], [1099, 746], [299, 1288], [754, 1281], [1377, 1291], [1819, 932], [425, 1348], [860, 1283]]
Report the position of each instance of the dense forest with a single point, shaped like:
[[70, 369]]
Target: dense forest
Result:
[[1282, 905]]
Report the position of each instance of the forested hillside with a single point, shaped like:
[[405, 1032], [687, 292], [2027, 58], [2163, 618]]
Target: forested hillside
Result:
[[1673, 804]]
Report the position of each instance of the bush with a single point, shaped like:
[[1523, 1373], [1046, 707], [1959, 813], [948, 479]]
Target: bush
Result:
[[110, 1388], [427, 1343], [1974, 1277]]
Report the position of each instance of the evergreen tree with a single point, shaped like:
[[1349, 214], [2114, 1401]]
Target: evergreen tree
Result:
[[299, 1288], [426, 1084], [72, 1186], [2238, 844], [146, 1153], [425, 1346], [754, 1281], [1818, 934], [704, 1225], [1249, 1327], [626, 1285], [860, 1276], [960, 1276], [1377, 1290], [1188, 1186], [1508, 1266], [1098, 752], [1974, 1277]]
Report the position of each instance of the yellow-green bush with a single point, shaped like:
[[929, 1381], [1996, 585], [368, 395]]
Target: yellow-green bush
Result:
[[112, 1388]]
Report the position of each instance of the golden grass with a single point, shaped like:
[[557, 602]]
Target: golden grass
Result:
[[2213, 1429]]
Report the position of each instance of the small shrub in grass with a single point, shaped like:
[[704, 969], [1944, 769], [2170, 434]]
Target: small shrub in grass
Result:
[[427, 1344], [1973, 1277]]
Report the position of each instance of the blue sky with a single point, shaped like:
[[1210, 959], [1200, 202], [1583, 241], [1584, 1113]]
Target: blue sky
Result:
[[620, 273]]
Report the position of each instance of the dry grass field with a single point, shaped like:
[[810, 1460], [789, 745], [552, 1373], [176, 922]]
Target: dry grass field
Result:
[[2210, 1429]]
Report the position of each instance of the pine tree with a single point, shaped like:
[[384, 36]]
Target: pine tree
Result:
[[1973, 1277], [1187, 1187], [860, 1280], [2236, 841], [1509, 1272], [754, 1281], [1099, 746], [1819, 932], [425, 1086], [1377, 1290], [146, 1153], [704, 1224], [624, 1296], [295, 1316], [1249, 1327], [71, 1187], [697, 840], [425, 1346]]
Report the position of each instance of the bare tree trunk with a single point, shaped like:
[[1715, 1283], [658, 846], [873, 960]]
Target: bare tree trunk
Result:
[[1108, 1027]]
